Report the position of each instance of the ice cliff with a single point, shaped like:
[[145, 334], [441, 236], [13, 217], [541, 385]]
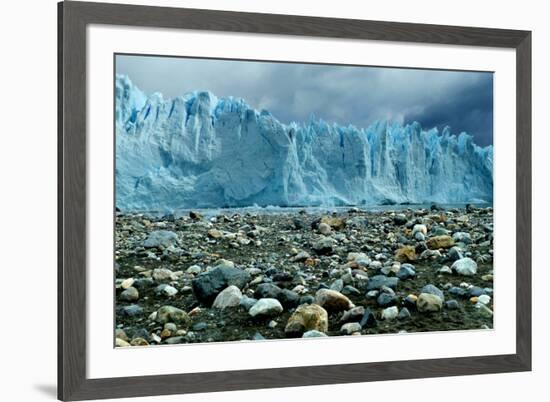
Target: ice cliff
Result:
[[200, 151]]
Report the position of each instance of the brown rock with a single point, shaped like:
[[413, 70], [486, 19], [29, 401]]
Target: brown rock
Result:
[[307, 317], [405, 254], [334, 222], [332, 300], [443, 241]]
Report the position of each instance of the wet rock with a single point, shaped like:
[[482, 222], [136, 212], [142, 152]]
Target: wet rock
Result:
[[459, 292], [132, 310], [368, 320], [386, 300], [353, 315], [282, 277], [451, 305], [404, 314], [266, 308], [438, 242], [390, 313], [377, 281], [172, 314], [161, 238], [208, 285], [267, 291], [332, 301], [337, 285], [434, 290], [247, 302], [400, 219], [324, 246], [406, 254], [410, 301], [229, 297], [288, 298], [307, 317], [476, 291], [351, 291], [130, 295], [428, 303], [350, 328], [455, 253], [406, 271], [465, 266], [307, 299]]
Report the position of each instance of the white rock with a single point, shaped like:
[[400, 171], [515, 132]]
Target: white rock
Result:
[[266, 307], [420, 228], [390, 313], [484, 299], [465, 266], [350, 328], [229, 297]]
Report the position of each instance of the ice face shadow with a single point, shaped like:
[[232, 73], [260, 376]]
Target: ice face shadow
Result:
[[49, 390]]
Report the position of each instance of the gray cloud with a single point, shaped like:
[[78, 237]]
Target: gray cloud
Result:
[[341, 94]]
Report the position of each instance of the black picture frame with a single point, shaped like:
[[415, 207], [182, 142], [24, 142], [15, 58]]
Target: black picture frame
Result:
[[73, 18]]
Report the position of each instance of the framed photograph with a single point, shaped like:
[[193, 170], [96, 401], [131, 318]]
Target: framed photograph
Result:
[[258, 201]]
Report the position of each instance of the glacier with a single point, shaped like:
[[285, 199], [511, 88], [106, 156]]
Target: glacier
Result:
[[201, 151]]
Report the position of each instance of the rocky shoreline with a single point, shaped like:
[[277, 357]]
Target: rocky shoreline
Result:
[[256, 275]]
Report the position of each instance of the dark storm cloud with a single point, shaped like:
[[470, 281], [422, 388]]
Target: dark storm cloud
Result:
[[341, 94]]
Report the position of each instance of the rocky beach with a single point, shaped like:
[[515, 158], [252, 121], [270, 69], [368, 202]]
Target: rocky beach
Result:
[[256, 274]]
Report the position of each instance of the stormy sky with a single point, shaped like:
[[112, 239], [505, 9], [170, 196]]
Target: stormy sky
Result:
[[341, 94]]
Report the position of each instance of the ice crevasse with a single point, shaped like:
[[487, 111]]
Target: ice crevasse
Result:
[[200, 151]]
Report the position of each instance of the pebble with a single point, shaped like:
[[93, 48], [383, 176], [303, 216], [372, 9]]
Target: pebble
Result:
[[229, 297], [324, 228], [465, 266], [386, 300], [332, 301], [166, 290], [368, 320], [160, 238], [428, 303], [350, 328], [438, 242], [132, 310], [171, 314], [130, 295], [377, 281], [406, 271], [266, 308], [451, 305], [307, 317], [434, 290], [120, 343], [404, 314], [390, 313]]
